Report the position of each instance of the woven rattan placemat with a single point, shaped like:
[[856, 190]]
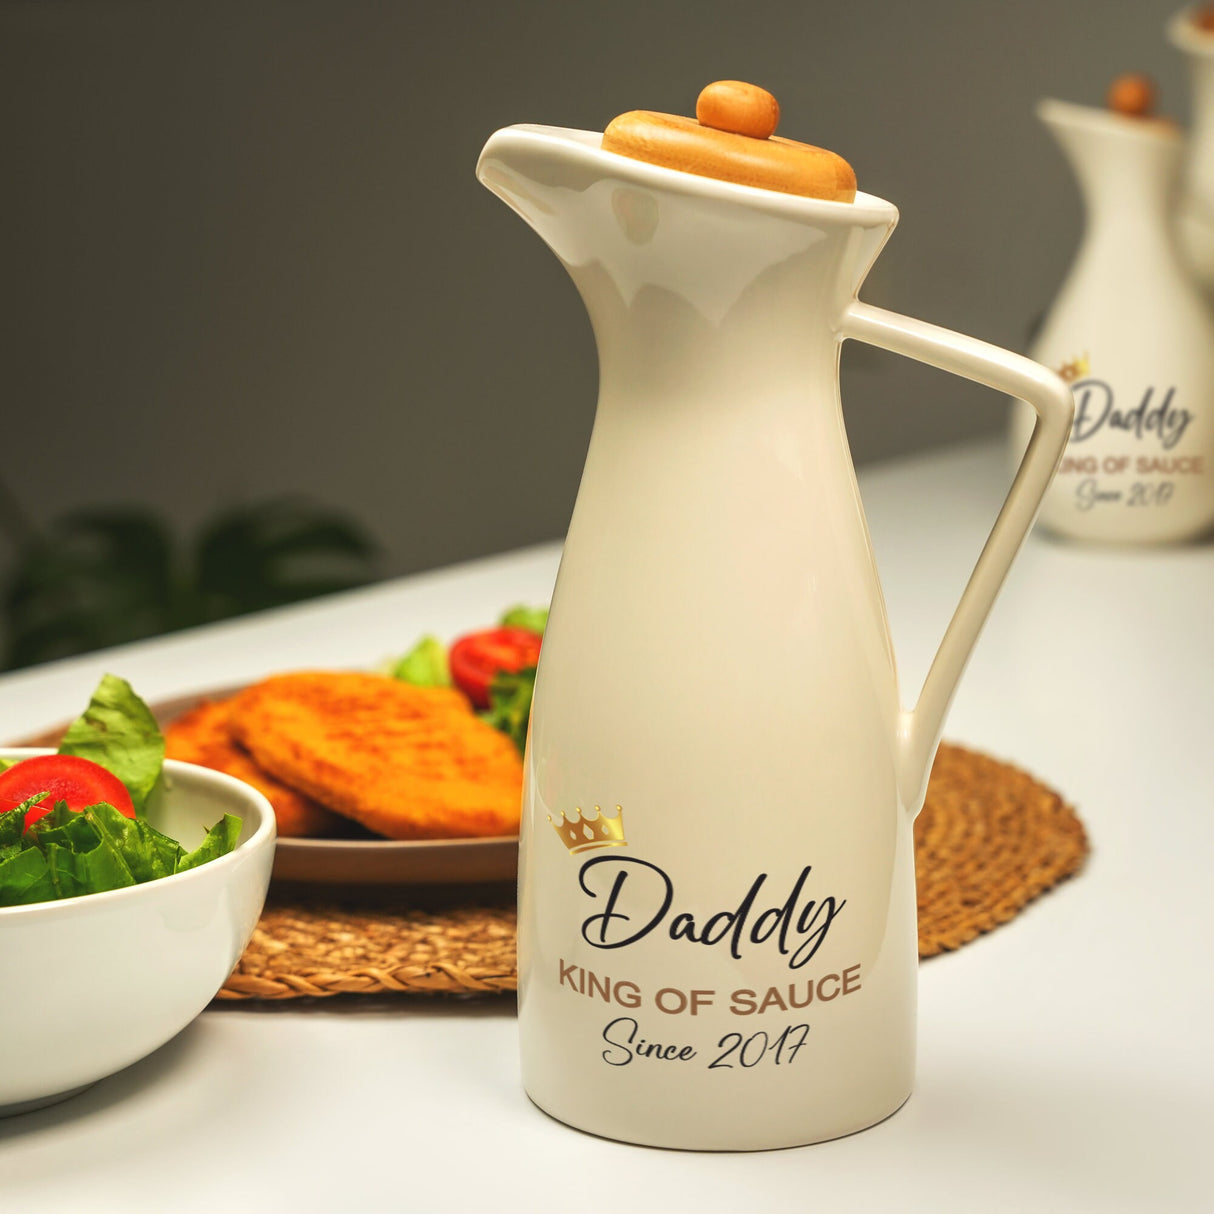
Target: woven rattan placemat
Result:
[[990, 839]]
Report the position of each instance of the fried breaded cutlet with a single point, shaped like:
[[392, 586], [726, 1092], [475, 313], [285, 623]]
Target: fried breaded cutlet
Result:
[[204, 736], [407, 762]]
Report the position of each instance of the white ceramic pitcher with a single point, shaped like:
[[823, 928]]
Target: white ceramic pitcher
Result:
[[1133, 334], [717, 937], [1195, 210]]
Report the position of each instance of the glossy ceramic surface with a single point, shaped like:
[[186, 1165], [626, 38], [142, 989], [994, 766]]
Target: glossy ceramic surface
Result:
[[1134, 335], [1195, 208], [738, 970], [93, 984]]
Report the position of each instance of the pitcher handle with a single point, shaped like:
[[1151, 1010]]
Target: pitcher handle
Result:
[[919, 729]]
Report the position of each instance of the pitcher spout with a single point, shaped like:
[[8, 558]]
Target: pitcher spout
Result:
[[650, 226], [531, 170]]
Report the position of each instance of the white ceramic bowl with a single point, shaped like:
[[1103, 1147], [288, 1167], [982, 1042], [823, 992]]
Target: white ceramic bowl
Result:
[[90, 985]]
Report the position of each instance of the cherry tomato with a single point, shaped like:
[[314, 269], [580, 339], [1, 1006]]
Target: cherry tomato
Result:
[[79, 782], [477, 657]]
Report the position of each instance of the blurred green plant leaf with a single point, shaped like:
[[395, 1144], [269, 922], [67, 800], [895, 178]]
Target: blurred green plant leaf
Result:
[[106, 576], [91, 579], [275, 553]]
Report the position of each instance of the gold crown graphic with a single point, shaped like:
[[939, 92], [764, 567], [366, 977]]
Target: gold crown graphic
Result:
[[1074, 369], [581, 833]]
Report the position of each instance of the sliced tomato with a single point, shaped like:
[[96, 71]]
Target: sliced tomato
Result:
[[77, 781], [476, 658]]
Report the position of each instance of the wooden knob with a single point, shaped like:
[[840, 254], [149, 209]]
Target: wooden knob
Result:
[[1132, 95], [732, 139], [742, 109]]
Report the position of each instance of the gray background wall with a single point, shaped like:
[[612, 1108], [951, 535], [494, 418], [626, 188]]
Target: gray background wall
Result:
[[245, 253]]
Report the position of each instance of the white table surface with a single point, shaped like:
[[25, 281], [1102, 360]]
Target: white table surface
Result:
[[1066, 1060]]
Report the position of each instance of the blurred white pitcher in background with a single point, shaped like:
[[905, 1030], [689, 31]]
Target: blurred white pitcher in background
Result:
[[1133, 335]]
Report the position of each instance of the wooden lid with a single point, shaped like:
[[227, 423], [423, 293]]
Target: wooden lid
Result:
[[732, 138]]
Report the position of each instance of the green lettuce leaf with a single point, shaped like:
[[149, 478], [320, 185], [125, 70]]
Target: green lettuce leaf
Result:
[[63, 828], [220, 840], [24, 878], [129, 845], [425, 665], [118, 731], [12, 821], [510, 704], [534, 619], [66, 870], [66, 854]]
